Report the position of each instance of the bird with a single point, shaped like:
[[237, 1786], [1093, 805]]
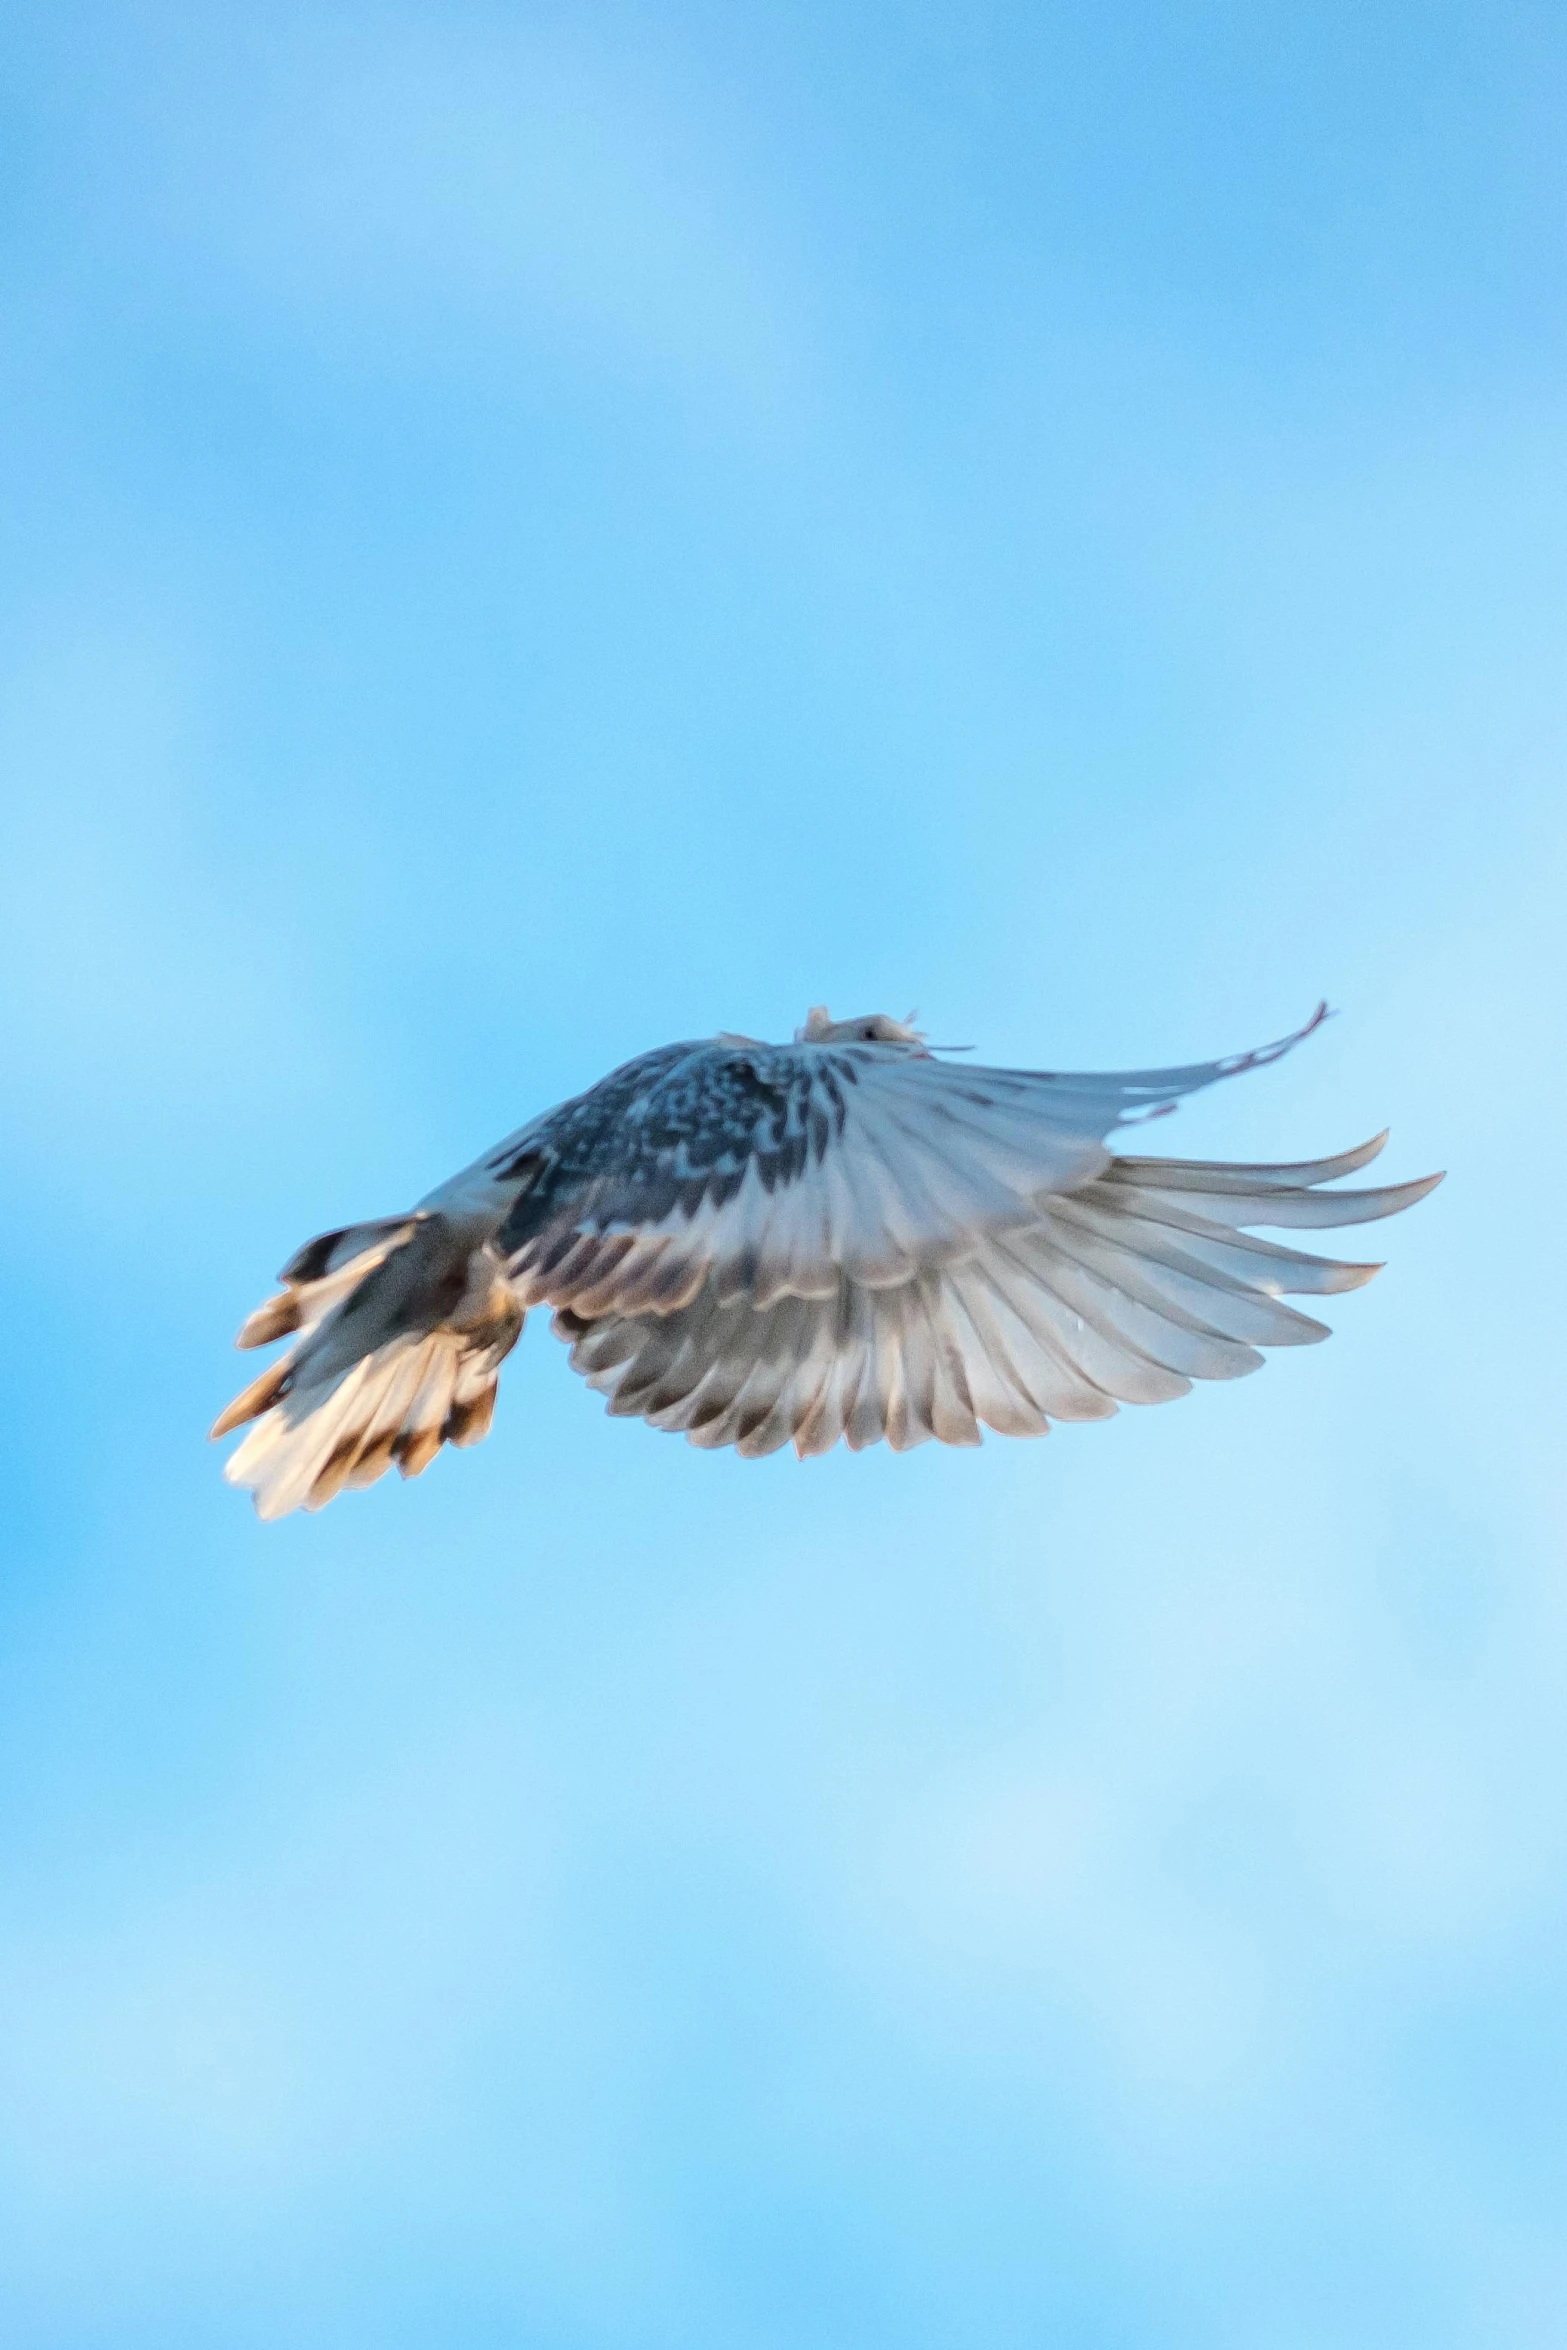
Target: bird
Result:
[[851, 1237]]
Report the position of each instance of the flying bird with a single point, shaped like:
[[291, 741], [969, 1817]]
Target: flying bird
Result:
[[847, 1237]]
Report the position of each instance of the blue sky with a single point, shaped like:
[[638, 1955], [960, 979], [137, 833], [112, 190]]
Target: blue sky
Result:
[[533, 532]]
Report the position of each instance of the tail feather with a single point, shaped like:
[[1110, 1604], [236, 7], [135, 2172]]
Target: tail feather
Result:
[[401, 1343], [319, 1276], [252, 1400], [331, 1253], [425, 1421], [469, 1419]]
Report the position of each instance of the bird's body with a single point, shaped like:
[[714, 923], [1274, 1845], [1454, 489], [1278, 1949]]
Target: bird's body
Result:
[[841, 1238]]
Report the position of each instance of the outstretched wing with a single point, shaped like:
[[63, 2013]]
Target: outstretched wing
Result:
[[750, 1175], [1122, 1290]]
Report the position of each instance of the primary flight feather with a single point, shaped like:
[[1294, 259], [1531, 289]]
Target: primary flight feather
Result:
[[757, 1244]]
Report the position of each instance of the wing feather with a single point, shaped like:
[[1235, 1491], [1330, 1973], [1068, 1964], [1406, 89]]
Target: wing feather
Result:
[[776, 1170], [1124, 1290]]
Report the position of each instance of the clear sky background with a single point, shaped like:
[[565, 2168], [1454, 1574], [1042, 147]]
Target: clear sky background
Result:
[[530, 532]]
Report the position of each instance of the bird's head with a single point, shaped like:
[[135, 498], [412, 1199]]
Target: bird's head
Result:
[[872, 1028]]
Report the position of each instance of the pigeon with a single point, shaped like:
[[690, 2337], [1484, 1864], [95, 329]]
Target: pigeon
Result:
[[851, 1237]]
